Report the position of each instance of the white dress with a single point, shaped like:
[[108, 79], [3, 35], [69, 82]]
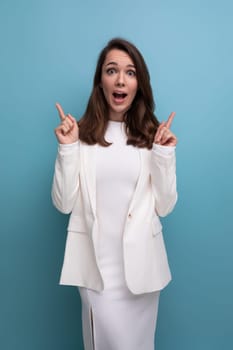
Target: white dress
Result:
[[116, 319]]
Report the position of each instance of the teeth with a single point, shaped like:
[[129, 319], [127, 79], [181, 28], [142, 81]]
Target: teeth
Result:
[[119, 95]]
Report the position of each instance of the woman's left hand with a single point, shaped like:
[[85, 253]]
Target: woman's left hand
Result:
[[163, 135]]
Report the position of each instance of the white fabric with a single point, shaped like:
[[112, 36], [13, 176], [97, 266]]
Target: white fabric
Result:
[[117, 171], [74, 191], [121, 320]]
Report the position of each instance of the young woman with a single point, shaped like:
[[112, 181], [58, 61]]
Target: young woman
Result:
[[115, 173]]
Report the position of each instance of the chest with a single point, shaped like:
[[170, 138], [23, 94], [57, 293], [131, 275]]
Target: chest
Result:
[[118, 163]]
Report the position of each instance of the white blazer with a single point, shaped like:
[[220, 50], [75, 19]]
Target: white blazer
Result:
[[74, 191]]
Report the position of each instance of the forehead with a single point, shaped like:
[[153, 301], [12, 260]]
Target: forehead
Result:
[[119, 57]]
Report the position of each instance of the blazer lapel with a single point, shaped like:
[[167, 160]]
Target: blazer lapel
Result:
[[143, 152], [89, 162]]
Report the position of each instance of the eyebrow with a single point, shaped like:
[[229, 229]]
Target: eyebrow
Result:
[[116, 64]]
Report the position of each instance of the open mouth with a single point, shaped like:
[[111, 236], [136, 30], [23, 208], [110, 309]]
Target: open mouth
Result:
[[119, 96]]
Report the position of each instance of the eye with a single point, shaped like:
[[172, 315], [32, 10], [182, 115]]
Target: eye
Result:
[[131, 73], [111, 71]]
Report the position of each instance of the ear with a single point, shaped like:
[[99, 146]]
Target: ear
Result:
[[100, 85]]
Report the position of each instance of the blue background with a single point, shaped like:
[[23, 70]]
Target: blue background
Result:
[[48, 53]]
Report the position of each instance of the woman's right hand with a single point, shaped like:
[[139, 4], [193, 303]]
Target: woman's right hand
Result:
[[68, 131]]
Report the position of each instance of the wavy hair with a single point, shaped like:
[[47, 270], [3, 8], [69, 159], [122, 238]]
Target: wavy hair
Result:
[[140, 120]]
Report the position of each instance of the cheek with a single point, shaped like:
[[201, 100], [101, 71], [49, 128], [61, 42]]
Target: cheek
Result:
[[134, 89], [105, 86], [106, 94]]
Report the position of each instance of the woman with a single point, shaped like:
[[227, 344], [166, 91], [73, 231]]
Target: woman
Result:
[[115, 174]]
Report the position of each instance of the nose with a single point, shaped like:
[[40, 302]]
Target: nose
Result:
[[120, 81]]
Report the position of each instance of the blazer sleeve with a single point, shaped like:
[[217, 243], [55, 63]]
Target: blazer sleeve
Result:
[[66, 177], [163, 177]]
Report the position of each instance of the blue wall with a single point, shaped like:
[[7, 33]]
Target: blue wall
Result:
[[48, 53]]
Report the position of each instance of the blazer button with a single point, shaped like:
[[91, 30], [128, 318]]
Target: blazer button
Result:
[[130, 216]]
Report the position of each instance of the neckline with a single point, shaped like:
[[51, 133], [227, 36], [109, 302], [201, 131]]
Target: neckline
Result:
[[115, 124], [116, 121]]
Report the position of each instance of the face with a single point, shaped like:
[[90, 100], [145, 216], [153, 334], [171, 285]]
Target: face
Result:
[[119, 83]]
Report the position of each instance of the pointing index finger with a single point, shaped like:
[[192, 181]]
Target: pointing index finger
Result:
[[61, 112], [170, 120]]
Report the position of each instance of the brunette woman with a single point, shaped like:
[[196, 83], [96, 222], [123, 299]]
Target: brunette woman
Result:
[[115, 173]]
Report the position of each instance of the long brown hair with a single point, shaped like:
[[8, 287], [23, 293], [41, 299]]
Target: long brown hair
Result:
[[141, 122]]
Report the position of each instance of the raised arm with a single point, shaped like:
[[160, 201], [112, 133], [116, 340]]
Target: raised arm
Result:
[[67, 131], [67, 165], [163, 168]]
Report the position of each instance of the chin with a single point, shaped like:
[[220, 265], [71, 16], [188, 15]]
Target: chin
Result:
[[120, 110]]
